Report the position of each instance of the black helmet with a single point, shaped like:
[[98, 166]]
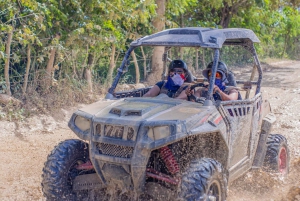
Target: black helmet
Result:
[[178, 64], [222, 68]]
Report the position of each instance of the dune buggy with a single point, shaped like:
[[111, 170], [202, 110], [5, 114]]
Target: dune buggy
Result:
[[164, 148]]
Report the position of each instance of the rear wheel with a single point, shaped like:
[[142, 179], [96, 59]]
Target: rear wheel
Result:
[[60, 170], [277, 156], [204, 180]]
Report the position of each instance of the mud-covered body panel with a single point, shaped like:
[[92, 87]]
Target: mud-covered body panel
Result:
[[139, 115], [134, 111], [113, 121], [238, 126]]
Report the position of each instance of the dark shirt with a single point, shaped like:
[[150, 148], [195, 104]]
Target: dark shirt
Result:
[[170, 92], [160, 84]]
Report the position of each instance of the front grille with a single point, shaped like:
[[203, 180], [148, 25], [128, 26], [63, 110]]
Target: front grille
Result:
[[113, 131], [98, 129], [115, 150], [130, 134]]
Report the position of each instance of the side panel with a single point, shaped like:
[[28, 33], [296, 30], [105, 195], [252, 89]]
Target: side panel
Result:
[[256, 124], [243, 122], [240, 117], [261, 148]]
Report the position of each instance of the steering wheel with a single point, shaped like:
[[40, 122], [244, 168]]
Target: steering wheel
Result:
[[192, 97]]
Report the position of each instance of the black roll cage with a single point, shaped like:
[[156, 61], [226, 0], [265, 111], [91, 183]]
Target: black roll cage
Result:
[[247, 43]]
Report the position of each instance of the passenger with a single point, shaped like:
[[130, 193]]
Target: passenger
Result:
[[221, 91], [175, 84]]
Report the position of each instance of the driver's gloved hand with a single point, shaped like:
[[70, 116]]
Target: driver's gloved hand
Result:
[[189, 91]]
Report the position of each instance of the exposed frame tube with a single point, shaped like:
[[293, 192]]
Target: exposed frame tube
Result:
[[213, 75], [111, 90]]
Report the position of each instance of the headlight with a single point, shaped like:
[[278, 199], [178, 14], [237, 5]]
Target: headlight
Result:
[[159, 132], [82, 123]]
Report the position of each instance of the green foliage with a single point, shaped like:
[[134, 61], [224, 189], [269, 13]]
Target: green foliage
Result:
[[277, 29], [90, 27]]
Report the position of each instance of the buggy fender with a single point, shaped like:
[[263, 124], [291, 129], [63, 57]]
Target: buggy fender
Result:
[[77, 124], [266, 127], [205, 128], [210, 137]]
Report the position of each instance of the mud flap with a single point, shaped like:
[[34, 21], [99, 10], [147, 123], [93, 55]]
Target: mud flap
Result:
[[87, 182], [262, 147]]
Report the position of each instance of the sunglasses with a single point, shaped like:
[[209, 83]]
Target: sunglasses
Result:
[[218, 75], [179, 71]]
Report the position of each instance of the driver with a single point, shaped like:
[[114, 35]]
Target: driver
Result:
[[221, 92], [175, 84]]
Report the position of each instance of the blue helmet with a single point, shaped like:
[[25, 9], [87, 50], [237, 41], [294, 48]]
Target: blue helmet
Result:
[[178, 63], [222, 68]]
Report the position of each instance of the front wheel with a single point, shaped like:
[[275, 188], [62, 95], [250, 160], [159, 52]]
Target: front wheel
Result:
[[204, 180], [277, 156], [60, 170]]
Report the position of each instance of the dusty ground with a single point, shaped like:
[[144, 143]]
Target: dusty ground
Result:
[[281, 86], [25, 146]]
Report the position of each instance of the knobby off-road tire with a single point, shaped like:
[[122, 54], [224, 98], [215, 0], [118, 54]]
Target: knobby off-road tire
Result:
[[204, 180], [59, 170], [277, 156]]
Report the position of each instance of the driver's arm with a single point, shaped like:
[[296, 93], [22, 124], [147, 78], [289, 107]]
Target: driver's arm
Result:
[[182, 95], [154, 91]]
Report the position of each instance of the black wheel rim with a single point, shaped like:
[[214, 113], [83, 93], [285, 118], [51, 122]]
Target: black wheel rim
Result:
[[214, 191], [73, 172]]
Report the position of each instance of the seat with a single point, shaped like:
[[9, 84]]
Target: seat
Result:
[[190, 78], [232, 82]]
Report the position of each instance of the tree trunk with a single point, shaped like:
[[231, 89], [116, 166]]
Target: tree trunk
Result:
[[84, 64], [33, 70], [181, 49], [159, 24], [112, 64], [74, 66], [203, 59], [226, 13], [88, 72], [197, 58], [6, 67], [137, 70], [49, 68], [230, 10], [286, 38], [145, 63], [27, 70]]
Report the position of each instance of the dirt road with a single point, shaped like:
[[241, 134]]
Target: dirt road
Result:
[[281, 86], [25, 146]]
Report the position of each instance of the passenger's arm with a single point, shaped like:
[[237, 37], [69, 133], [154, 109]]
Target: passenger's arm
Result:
[[154, 91], [233, 94]]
